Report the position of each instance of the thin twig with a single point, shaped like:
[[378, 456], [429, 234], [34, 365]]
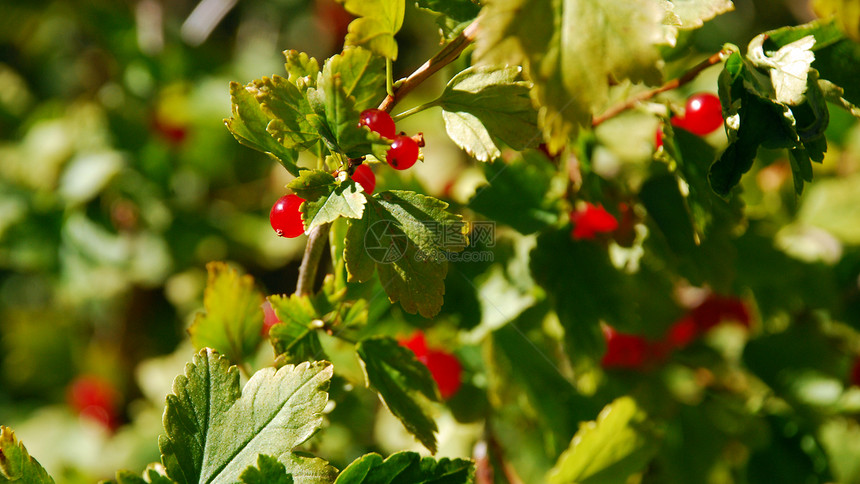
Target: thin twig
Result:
[[311, 260], [673, 84], [448, 54]]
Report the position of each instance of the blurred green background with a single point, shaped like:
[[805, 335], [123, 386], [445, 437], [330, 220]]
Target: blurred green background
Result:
[[119, 181]]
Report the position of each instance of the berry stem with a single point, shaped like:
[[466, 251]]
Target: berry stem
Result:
[[311, 259], [668, 86], [445, 56], [389, 77], [415, 110]]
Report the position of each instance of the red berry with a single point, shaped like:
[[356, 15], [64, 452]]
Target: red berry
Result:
[[446, 370], [590, 221], [403, 153], [855, 372], [378, 121], [683, 332], [658, 138], [624, 350], [269, 318], [364, 176], [716, 309], [285, 217], [95, 398], [703, 114], [417, 344]]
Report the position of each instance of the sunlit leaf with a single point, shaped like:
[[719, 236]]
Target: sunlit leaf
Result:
[[326, 199], [378, 21], [267, 471], [16, 465], [406, 467]]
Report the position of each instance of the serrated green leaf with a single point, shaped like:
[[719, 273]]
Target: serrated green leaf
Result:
[[362, 76], [302, 69], [232, 320], [214, 431], [296, 335], [249, 126], [267, 471], [485, 106], [801, 168], [406, 236], [692, 14], [845, 12], [572, 63], [406, 467], [16, 465], [609, 450], [516, 191], [307, 469], [455, 15], [788, 67], [378, 21], [394, 372], [326, 200], [288, 108]]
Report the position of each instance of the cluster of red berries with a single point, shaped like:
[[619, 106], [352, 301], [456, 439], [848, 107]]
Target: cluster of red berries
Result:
[[96, 399], [635, 352], [703, 114], [444, 366], [285, 216]]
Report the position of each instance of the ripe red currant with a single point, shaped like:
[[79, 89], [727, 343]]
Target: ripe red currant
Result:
[[95, 398], [364, 176], [403, 153], [378, 121], [624, 350], [285, 217], [446, 370], [590, 221], [703, 114]]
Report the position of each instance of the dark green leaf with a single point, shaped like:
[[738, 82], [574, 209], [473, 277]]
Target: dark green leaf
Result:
[[516, 192], [394, 372], [296, 335], [487, 107], [249, 126], [378, 21], [406, 467], [618, 444], [407, 237], [16, 465], [233, 319], [267, 471], [214, 431]]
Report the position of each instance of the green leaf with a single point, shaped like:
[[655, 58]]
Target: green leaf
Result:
[[378, 21], [267, 471], [407, 237], [16, 465], [618, 444], [486, 106], [334, 102], [692, 14], [406, 467], [362, 76], [152, 475], [572, 62], [296, 335], [289, 108], [325, 199], [845, 12], [233, 318], [455, 15], [788, 67], [302, 70], [394, 372], [516, 191], [249, 126], [214, 431]]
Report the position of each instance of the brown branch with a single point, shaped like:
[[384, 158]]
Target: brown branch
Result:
[[448, 54], [311, 260], [673, 84]]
